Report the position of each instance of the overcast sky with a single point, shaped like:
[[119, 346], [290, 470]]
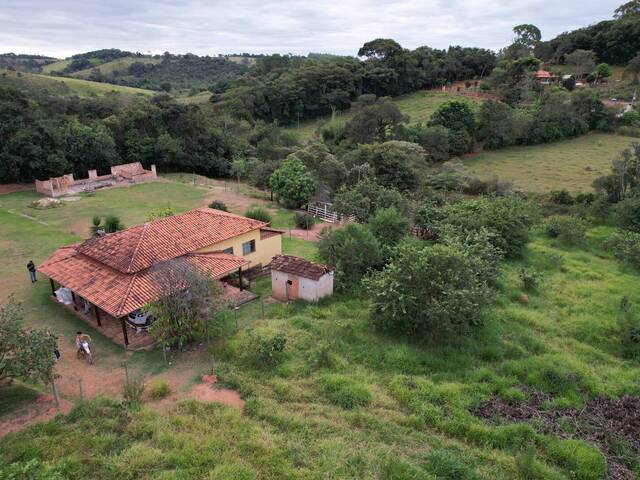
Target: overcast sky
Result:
[[207, 27]]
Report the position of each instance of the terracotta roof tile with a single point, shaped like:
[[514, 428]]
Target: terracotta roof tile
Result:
[[299, 266], [140, 247]]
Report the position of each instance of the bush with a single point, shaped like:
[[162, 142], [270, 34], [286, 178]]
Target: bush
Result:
[[112, 224], [446, 292], [449, 466], [562, 197], [629, 131], [568, 229], [625, 246], [345, 392], [159, 389], [628, 213], [352, 250], [258, 213], [530, 279], [304, 221], [133, 388], [389, 227], [582, 460], [218, 205], [629, 323], [266, 351]]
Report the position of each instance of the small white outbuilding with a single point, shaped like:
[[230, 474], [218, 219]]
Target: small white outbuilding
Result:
[[295, 278]]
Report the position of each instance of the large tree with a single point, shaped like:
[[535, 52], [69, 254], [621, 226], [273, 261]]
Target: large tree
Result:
[[292, 183]]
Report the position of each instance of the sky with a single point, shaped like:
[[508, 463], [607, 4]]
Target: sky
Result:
[[60, 28]]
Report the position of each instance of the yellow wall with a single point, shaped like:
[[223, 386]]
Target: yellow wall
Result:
[[265, 249]]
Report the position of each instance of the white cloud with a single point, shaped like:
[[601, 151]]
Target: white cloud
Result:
[[63, 27]]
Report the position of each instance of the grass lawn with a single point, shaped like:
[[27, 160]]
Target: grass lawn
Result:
[[15, 396], [346, 402], [418, 105], [572, 164]]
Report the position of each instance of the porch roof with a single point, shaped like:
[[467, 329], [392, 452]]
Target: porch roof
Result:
[[119, 293]]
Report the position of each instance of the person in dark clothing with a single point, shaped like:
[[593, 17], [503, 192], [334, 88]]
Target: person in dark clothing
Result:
[[32, 271]]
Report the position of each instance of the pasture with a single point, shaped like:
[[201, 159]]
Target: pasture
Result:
[[572, 164]]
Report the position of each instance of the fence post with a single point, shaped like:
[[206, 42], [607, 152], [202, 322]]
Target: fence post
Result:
[[55, 393], [213, 364], [80, 386]]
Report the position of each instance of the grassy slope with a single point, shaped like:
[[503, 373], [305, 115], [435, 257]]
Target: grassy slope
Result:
[[416, 425], [120, 64], [81, 87], [571, 164], [55, 66], [418, 105]]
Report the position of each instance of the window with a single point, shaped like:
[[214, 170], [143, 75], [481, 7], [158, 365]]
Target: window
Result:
[[228, 250], [248, 247]]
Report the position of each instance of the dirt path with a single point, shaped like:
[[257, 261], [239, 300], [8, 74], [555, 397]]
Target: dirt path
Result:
[[312, 234], [206, 392], [42, 410]]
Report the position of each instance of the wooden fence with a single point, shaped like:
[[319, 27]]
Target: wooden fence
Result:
[[323, 211]]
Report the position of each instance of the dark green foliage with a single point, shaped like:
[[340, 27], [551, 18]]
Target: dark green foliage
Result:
[[625, 246], [529, 278], [628, 213], [624, 177], [447, 465], [304, 221], [258, 213], [376, 122], [366, 197], [509, 218], [389, 226], [133, 388], [569, 230], [435, 141], [460, 142], [497, 125], [112, 224], [561, 197], [629, 324], [454, 115], [292, 183], [218, 205], [353, 251], [428, 291]]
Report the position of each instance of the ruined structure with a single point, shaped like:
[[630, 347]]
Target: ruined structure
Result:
[[129, 173]]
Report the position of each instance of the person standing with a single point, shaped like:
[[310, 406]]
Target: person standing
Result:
[[32, 271]]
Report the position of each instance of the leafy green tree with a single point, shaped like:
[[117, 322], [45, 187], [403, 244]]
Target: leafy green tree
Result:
[[365, 197], [389, 227], [352, 250], [25, 354], [581, 61], [633, 69], [328, 171], [375, 123], [454, 115], [238, 168], [435, 141], [446, 292], [631, 8], [87, 147], [497, 125], [292, 183]]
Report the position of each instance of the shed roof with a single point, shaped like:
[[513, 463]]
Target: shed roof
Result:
[[299, 266]]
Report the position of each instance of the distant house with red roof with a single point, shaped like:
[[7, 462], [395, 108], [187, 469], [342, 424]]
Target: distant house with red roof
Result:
[[108, 277], [546, 78]]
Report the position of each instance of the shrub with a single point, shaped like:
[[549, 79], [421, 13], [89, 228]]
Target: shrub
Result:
[[562, 197], [568, 229], [352, 250], [292, 183], [133, 388], [449, 466], [304, 221], [258, 213], [218, 205], [389, 227], [629, 323], [159, 389], [266, 351], [582, 460], [112, 224], [345, 392], [629, 131], [445, 293], [628, 213], [625, 246], [530, 279]]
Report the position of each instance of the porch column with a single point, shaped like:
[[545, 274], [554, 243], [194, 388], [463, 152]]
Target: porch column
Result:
[[53, 287], [98, 315], [240, 278], [124, 332]]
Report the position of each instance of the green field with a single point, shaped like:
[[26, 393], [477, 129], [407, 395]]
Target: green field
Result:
[[82, 88], [418, 106], [121, 64], [55, 66], [571, 164]]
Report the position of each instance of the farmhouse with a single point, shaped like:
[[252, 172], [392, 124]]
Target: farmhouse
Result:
[[108, 278], [295, 278]]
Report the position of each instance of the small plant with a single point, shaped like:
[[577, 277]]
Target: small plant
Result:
[[159, 389], [629, 323], [530, 279], [345, 392], [133, 388], [112, 224], [266, 351], [304, 221], [568, 230], [562, 197], [625, 246], [258, 213], [218, 205]]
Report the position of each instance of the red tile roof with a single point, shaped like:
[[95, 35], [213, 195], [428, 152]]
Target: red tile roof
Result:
[[118, 272], [299, 266], [137, 248], [119, 293]]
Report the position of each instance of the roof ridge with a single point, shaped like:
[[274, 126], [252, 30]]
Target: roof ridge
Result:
[[126, 294], [145, 227]]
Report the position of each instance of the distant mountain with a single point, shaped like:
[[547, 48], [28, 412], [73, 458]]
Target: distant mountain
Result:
[[24, 62]]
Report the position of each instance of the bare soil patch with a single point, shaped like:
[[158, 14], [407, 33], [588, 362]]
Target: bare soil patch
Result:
[[206, 392], [313, 233], [15, 187], [42, 410], [604, 422]]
